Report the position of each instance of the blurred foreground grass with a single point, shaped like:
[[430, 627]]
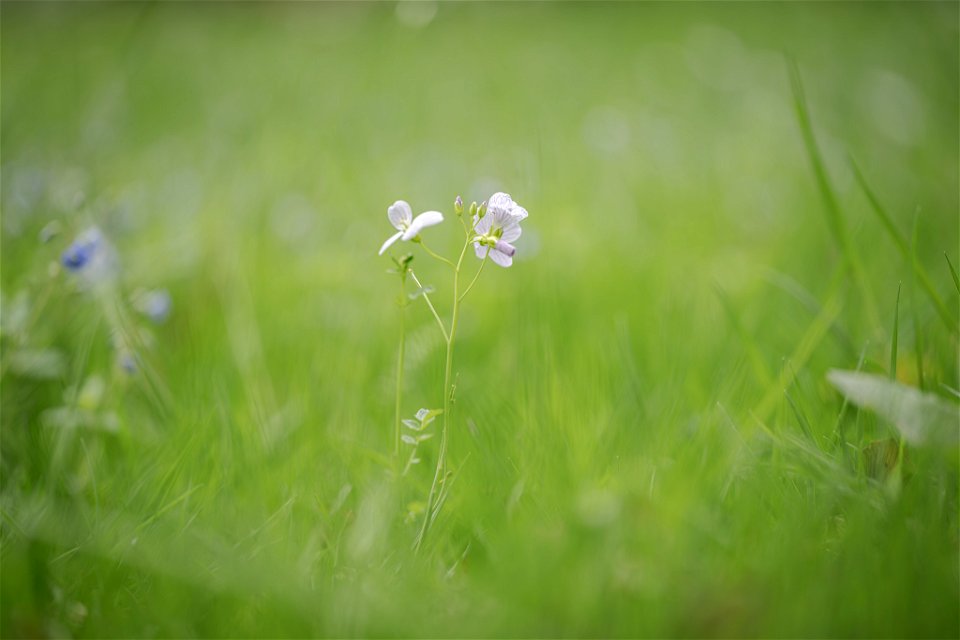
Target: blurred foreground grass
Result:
[[646, 440]]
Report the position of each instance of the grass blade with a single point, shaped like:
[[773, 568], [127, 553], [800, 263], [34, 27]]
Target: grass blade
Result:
[[917, 333], [884, 217], [832, 208], [953, 272], [896, 332], [753, 350], [810, 340], [801, 418], [901, 242]]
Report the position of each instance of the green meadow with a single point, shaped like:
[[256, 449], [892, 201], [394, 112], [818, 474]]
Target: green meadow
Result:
[[728, 204]]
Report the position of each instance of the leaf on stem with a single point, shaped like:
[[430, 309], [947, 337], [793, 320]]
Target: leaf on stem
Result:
[[421, 291]]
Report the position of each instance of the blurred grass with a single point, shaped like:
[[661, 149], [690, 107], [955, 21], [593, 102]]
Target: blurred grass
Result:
[[639, 455]]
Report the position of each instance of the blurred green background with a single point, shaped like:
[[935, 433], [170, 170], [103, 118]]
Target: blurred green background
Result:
[[644, 437]]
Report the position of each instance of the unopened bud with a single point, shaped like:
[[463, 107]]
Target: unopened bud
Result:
[[505, 248], [482, 209], [458, 206], [473, 208]]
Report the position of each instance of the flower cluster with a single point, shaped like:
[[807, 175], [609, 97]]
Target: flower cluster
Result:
[[92, 262], [495, 226]]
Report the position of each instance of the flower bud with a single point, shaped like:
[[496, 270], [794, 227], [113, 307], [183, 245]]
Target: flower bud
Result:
[[505, 248], [458, 206], [482, 209], [473, 208]]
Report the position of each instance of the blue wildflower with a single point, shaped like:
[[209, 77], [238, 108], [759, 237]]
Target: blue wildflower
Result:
[[82, 250], [90, 256], [128, 362], [155, 304]]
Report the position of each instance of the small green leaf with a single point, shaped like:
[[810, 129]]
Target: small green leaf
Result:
[[922, 418], [426, 416], [427, 290], [409, 439]]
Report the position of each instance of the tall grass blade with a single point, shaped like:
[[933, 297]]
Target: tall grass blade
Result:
[[901, 243], [801, 354], [832, 208], [953, 272], [917, 332], [799, 415], [896, 333], [895, 234], [753, 350]]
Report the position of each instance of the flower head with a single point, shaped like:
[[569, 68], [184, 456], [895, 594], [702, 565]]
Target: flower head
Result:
[[84, 247], [90, 256], [155, 304], [401, 217], [498, 228]]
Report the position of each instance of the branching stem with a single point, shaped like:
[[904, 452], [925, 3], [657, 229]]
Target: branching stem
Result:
[[426, 298], [403, 323], [437, 255], [476, 277], [440, 471]]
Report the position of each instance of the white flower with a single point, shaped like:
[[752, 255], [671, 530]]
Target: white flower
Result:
[[498, 228], [408, 227]]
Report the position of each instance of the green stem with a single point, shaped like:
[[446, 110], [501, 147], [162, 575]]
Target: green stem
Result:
[[426, 298], [447, 398], [403, 323], [436, 255], [476, 277]]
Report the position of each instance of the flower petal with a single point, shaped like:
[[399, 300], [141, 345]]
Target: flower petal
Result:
[[519, 212], [503, 219], [390, 241], [482, 226], [500, 202], [501, 259], [421, 222], [511, 232], [480, 250], [400, 215]]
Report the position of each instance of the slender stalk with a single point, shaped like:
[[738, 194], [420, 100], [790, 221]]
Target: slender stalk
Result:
[[403, 328], [437, 255], [447, 393], [474, 281], [426, 298]]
